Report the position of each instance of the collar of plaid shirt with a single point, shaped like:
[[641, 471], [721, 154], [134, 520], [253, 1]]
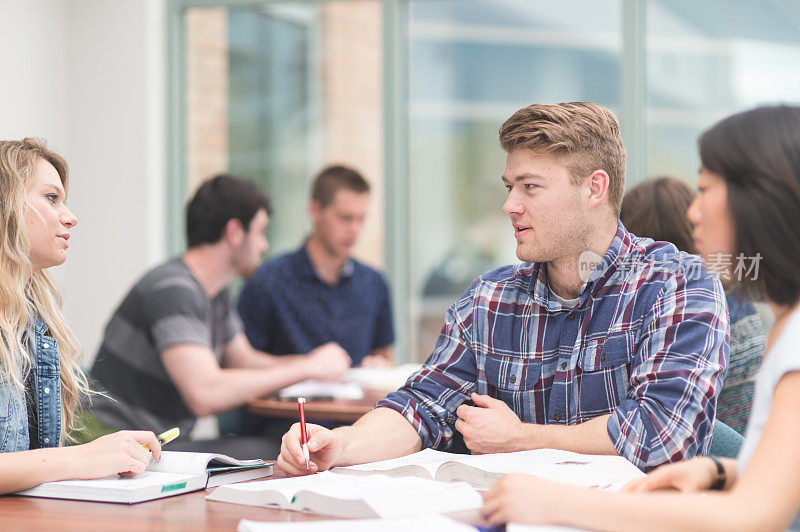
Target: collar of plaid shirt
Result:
[[602, 272]]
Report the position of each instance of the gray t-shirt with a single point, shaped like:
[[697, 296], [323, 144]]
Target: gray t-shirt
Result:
[[166, 307], [782, 358]]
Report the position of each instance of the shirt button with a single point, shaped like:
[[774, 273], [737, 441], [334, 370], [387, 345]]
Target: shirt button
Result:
[[47, 440], [563, 365], [570, 317], [513, 379], [557, 417], [46, 345], [47, 390], [603, 358]]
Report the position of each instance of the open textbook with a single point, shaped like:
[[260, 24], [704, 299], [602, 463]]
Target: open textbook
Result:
[[423, 523], [176, 472], [378, 496], [481, 471]]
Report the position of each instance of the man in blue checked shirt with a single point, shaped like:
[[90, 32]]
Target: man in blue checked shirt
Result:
[[599, 342]]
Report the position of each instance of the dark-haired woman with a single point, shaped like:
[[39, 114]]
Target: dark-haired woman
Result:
[[749, 203]]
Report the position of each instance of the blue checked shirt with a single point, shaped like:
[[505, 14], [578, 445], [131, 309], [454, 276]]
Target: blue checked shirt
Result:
[[646, 343]]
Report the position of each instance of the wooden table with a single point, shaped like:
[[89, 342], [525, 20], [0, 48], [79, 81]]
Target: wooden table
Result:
[[189, 512], [342, 410]]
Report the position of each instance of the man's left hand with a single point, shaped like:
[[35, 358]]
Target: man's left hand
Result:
[[489, 427]]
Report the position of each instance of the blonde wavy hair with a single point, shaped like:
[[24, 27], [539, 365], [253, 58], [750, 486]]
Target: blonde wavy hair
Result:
[[23, 294]]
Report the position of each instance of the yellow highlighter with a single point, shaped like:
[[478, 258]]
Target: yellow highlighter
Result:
[[166, 437]]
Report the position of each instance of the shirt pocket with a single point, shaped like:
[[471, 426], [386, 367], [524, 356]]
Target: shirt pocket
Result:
[[515, 380], [605, 371]]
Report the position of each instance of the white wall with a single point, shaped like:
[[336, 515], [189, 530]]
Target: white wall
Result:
[[32, 99], [93, 82]]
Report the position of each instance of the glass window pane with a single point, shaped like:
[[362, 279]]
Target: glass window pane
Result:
[[275, 91], [706, 60], [471, 65]]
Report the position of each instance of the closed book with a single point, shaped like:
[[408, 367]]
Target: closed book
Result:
[[175, 473]]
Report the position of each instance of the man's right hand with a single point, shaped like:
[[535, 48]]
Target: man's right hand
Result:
[[324, 446], [328, 362]]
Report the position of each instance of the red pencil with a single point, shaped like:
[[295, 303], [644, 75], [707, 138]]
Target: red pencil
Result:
[[303, 434]]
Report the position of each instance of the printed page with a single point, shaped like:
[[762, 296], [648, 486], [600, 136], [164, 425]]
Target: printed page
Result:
[[406, 496], [362, 487], [429, 459], [597, 471], [508, 462], [288, 487], [388, 497], [428, 522], [195, 463], [181, 462]]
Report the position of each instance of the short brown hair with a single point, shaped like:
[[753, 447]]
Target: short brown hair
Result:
[[656, 209], [334, 178], [585, 134]]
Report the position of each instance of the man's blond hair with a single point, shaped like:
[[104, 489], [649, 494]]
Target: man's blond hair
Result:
[[585, 135]]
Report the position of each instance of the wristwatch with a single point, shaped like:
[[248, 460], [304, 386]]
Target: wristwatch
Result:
[[721, 478]]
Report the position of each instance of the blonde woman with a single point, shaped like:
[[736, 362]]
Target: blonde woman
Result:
[[40, 380], [748, 207]]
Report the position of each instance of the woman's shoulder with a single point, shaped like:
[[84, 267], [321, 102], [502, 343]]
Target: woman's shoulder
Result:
[[784, 356]]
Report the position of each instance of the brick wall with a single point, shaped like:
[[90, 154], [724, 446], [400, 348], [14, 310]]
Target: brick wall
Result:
[[352, 97], [350, 62], [207, 93]]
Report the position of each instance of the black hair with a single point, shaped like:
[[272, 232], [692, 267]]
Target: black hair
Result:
[[222, 198], [757, 152]]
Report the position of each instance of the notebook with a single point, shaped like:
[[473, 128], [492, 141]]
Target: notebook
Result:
[[481, 471], [175, 473], [369, 496]]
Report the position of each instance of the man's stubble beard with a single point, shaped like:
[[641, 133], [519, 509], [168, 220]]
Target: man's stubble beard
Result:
[[572, 242]]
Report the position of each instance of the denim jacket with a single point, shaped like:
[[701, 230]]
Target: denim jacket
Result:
[[46, 369]]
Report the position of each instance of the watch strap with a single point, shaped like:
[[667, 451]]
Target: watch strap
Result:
[[721, 478]]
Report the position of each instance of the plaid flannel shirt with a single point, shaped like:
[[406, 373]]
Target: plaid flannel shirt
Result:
[[646, 343]]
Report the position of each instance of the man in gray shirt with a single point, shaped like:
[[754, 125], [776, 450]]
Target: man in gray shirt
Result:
[[174, 350]]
